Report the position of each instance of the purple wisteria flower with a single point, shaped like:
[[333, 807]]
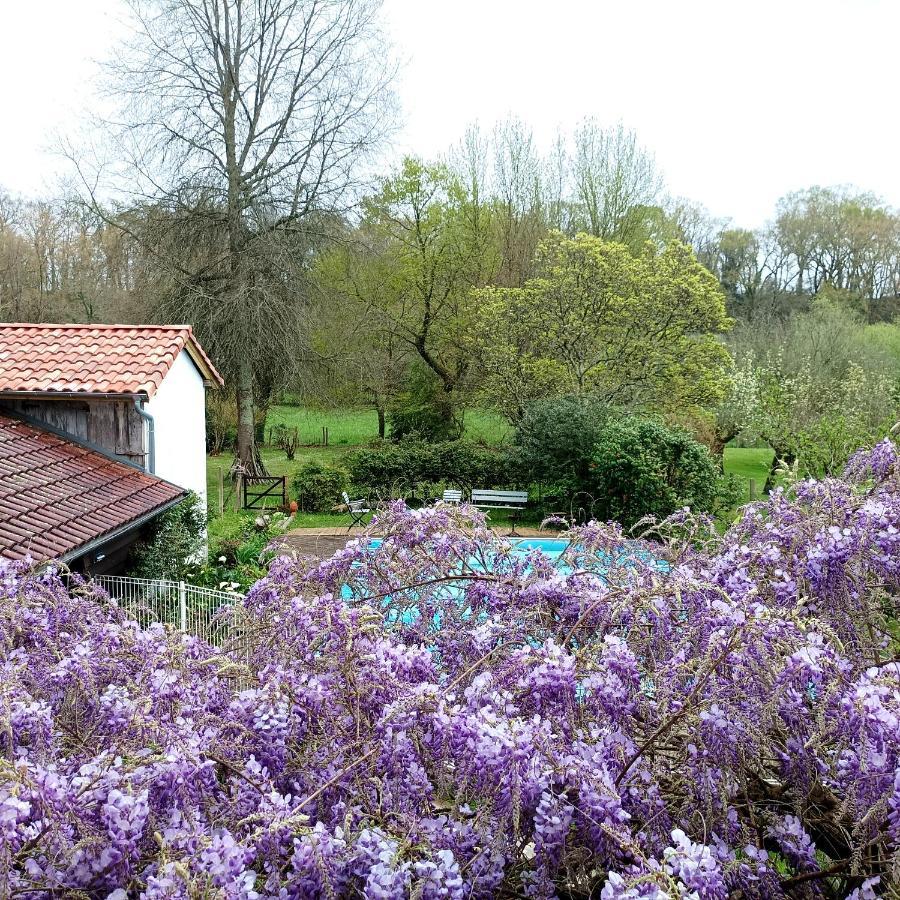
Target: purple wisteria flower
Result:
[[440, 716]]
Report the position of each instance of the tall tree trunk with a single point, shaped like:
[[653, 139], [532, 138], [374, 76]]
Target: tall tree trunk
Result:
[[246, 432], [247, 453]]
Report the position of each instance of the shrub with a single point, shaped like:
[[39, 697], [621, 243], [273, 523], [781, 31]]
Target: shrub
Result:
[[382, 469], [173, 543], [318, 488], [221, 422], [423, 409], [285, 438], [556, 441], [239, 551], [824, 446], [640, 467]]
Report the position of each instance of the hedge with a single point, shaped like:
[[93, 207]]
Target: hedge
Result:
[[381, 470]]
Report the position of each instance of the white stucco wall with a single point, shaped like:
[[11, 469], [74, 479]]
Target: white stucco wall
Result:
[[179, 413]]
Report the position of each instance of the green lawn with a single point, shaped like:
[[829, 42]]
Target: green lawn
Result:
[[749, 463], [346, 427], [351, 427]]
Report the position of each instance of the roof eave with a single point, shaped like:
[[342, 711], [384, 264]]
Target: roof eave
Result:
[[102, 539], [93, 395], [211, 376]]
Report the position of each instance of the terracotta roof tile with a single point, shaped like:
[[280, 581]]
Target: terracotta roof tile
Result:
[[104, 359], [57, 495]]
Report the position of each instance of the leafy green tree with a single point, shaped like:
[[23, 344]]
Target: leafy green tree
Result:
[[599, 321], [417, 253], [739, 266], [556, 439], [356, 358], [423, 409]]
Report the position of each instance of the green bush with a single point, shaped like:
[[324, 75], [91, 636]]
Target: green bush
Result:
[[424, 410], [318, 488], [824, 446], [221, 422], [556, 440], [172, 544], [382, 470], [237, 552], [641, 467]]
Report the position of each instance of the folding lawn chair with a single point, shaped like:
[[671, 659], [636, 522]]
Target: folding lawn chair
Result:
[[358, 510]]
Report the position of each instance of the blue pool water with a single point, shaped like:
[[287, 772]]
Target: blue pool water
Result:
[[552, 547]]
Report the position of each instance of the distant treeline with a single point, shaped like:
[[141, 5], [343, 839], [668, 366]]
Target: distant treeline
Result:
[[497, 275]]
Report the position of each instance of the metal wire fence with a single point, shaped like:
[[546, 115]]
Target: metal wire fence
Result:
[[203, 612]]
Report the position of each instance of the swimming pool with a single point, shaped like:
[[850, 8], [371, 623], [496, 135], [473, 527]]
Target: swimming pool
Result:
[[408, 614], [552, 547]]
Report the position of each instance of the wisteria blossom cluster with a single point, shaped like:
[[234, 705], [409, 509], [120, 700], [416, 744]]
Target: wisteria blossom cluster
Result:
[[438, 715]]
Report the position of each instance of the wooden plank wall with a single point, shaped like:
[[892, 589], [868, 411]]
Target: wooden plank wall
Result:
[[112, 425]]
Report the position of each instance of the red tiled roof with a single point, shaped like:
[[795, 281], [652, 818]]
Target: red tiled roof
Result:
[[57, 495], [104, 359]]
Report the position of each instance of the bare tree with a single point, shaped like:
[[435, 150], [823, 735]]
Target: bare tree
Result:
[[519, 189], [557, 175], [614, 177], [242, 123]]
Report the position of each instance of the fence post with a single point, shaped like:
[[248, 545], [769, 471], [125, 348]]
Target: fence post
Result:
[[182, 605]]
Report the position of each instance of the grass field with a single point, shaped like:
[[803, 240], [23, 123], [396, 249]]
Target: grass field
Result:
[[351, 428], [749, 463]]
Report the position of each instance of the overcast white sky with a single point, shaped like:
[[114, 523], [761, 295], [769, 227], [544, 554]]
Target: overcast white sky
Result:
[[741, 100]]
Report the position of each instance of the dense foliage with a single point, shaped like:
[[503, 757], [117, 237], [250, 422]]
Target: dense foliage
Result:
[[624, 467], [641, 467], [446, 718], [555, 440], [318, 488], [173, 543], [600, 320], [423, 410], [418, 465]]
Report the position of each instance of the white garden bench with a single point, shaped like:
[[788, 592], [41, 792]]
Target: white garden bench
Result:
[[452, 496], [511, 500]]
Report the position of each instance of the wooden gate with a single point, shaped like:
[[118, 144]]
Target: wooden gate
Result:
[[259, 488]]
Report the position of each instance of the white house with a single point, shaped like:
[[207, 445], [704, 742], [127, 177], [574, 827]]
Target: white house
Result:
[[178, 413], [135, 394]]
